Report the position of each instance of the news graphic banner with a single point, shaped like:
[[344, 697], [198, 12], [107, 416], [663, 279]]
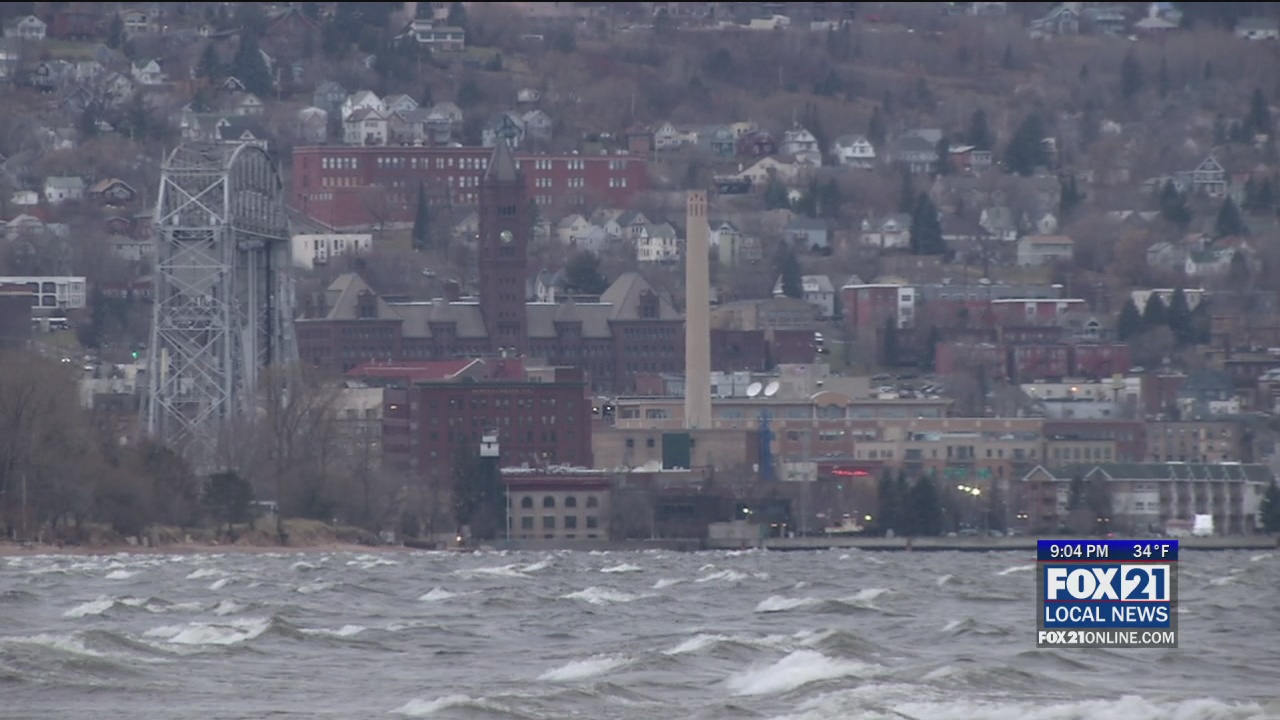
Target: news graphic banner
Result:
[[1107, 594]]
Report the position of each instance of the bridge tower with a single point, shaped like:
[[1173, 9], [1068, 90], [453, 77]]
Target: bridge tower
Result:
[[223, 300]]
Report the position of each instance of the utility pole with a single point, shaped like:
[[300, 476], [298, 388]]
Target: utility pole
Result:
[[25, 536]]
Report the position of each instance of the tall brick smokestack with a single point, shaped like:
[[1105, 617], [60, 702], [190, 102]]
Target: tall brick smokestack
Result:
[[697, 319]]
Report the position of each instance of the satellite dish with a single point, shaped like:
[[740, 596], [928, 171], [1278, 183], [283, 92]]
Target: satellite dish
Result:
[[772, 388], [754, 389]]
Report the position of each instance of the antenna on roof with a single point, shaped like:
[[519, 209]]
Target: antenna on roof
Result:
[[772, 388], [754, 389]]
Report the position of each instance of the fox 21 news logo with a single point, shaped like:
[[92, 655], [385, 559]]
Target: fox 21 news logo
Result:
[[1116, 594]]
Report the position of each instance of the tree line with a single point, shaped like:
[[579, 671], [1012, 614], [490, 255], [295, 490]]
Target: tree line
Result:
[[65, 468], [1188, 327], [924, 508]]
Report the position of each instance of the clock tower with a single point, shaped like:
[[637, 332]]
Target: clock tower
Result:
[[503, 245]]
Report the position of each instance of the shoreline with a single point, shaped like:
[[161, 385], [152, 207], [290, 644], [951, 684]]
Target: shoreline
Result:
[[810, 544]]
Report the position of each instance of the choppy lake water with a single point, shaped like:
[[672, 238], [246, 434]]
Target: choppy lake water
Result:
[[619, 636]]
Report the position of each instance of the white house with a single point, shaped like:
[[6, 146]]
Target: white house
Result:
[[1251, 28], [25, 198], [570, 227], [760, 172], [309, 250], [362, 100], [887, 233], [365, 126], [399, 103], [61, 188], [818, 291], [801, 143], [1045, 249], [854, 151], [28, 27], [658, 243], [669, 137], [147, 73]]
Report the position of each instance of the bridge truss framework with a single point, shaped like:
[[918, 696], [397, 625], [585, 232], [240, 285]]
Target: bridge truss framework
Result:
[[224, 306]]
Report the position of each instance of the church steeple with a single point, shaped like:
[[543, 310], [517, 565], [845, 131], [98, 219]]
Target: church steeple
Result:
[[502, 166]]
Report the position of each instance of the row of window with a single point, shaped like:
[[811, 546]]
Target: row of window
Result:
[[549, 501], [570, 522]]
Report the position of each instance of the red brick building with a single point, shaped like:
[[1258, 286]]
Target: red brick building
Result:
[[868, 307], [349, 186], [431, 410], [631, 330], [15, 316]]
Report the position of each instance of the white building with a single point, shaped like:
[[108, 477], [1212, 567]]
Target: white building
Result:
[[818, 291], [658, 243], [854, 151], [317, 249], [53, 292]]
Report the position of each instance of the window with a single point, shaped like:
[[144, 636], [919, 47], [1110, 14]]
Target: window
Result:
[[549, 501], [548, 522], [571, 502], [592, 522], [526, 522], [593, 501], [571, 522], [526, 501]]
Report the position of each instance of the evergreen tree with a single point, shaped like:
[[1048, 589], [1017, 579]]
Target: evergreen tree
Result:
[[902, 499], [228, 498], [1221, 132], [457, 16], [1238, 271], [582, 274], [422, 221], [1269, 512], [1075, 493], [250, 67], [1180, 318], [1069, 198], [887, 512], [1173, 206], [1154, 315], [209, 67], [428, 98], [1229, 222], [1258, 121], [115, 32], [1130, 76], [789, 272], [926, 228], [479, 499], [929, 361], [926, 508], [889, 349], [876, 128], [1129, 325], [979, 135], [830, 199], [776, 195], [943, 151], [469, 94], [906, 194], [1202, 320], [997, 508], [1025, 151]]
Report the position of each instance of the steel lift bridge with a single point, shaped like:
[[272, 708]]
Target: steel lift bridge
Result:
[[223, 307]]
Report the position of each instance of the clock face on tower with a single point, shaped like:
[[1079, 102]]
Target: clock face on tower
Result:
[[506, 237]]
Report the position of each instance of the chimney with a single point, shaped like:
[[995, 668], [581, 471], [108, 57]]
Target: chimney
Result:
[[697, 321], [452, 290]]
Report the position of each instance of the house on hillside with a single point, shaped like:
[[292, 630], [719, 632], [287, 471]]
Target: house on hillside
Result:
[[59, 189], [669, 137], [1210, 178], [27, 27], [1258, 28], [147, 72], [756, 144], [917, 154], [801, 144], [329, 96], [854, 151], [365, 127], [113, 192], [808, 234], [818, 291], [1061, 20], [658, 243], [891, 232], [1045, 250]]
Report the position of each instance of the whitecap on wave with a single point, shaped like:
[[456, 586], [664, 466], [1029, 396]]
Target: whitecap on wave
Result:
[[858, 703], [778, 603], [229, 633], [601, 596], [622, 568], [794, 671], [436, 595], [1017, 569], [575, 670], [342, 632]]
